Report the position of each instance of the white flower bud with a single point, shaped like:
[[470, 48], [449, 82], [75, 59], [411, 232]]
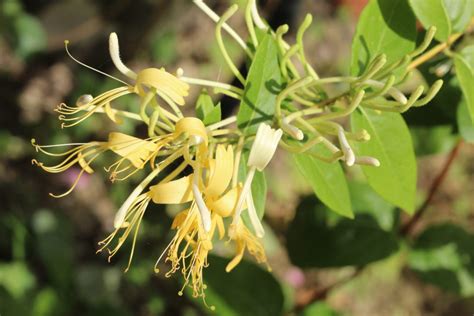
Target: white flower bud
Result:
[[264, 146]]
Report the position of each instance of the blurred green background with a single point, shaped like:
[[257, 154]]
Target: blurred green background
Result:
[[48, 264]]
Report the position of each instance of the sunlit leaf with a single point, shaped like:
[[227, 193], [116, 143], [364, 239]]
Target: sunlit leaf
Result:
[[465, 123], [328, 182], [459, 12], [464, 64], [261, 88], [433, 13], [385, 26], [390, 143]]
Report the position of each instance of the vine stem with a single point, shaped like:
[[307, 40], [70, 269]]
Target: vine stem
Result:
[[437, 49], [317, 294], [435, 185]]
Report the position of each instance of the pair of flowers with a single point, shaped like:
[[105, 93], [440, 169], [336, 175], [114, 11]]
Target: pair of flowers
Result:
[[210, 193], [209, 198]]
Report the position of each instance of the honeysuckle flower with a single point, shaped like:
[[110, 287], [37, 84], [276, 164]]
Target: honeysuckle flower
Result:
[[244, 239], [148, 83], [188, 132], [134, 152], [190, 225], [262, 151]]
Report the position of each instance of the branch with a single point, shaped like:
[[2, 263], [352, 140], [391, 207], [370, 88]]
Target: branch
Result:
[[408, 227]]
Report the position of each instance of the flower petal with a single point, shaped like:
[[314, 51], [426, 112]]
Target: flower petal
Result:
[[226, 204], [136, 150], [222, 171], [163, 81], [173, 192]]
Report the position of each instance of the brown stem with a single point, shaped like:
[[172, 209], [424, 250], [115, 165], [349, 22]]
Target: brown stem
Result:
[[408, 227], [317, 294]]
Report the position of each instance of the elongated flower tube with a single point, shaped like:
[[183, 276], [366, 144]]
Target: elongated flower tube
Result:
[[262, 151], [138, 151], [148, 83], [188, 249]]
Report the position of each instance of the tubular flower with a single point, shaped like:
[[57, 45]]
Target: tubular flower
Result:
[[187, 132], [192, 242], [148, 84], [134, 152], [262, 151]]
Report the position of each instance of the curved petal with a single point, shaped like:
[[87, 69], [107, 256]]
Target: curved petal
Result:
[[222, 173], [192, 126], [163, 81], [136, 150], [173, 192], [179, 219], [226, 204]]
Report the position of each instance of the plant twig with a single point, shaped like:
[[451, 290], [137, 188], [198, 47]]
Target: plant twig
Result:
[[317, 294], [438, 48], [408, 227]]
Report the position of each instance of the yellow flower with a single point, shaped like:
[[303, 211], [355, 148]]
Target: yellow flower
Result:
[[148, 84], [262, 151], [192, 242], [135, 152], [244, 239], [188, 140]]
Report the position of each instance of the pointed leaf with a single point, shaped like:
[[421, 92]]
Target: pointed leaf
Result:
[[465, 123], [262, 86], [459, 12], [464, 64], [390, 143], [385, 26], [433, 13], [328, 182], [206, 111]]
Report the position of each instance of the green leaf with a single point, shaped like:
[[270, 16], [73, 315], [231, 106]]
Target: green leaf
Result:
[[232, 293], [259, 188], [433, 13], [319, 309], [459, 12], [206, 111], [390, 143], [468, 54], [262, 86], [465, 73], [31, 37], [443, 255], [312, 241], [16, 278], [328, 182], [465, 123], [385, 26]]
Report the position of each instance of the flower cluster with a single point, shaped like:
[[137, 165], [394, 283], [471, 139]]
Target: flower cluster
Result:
[[197, 166]]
